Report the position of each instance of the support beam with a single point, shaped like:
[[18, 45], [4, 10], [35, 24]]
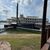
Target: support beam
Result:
[[44, 34]]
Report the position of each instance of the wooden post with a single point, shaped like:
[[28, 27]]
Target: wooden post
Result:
[[44, 34]]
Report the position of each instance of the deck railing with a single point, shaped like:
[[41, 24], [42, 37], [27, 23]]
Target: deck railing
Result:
[[46, 46]]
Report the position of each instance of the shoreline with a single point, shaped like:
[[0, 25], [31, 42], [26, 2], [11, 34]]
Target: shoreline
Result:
[[3, 33]]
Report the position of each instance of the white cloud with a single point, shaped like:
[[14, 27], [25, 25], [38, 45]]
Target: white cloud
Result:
[[1, 8], [38, 9], [25, 2], [9, 9], [48, 9], [48, 0], [4, 8]]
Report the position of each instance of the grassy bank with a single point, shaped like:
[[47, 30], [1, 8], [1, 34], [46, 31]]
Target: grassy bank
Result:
[[18, 40], [22, 31]]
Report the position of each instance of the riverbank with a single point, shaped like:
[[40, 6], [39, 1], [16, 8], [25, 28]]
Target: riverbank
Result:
[[19, 40], [22, 31], [3, 33]]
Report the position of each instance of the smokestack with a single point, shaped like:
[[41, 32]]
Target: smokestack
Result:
[[17, 14]]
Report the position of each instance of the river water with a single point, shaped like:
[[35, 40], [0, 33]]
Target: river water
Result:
[[2, 28], [2, 25]]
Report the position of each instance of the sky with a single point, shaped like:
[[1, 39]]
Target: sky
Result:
[[26, 7]]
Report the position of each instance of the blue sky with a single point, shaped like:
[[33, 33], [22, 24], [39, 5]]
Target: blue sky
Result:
[[26, 7]]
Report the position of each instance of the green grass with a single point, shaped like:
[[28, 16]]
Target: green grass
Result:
[[22, 31], [17, 43]]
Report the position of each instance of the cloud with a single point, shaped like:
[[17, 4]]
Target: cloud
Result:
[[26, 7], [48, 10], [21, 2], [4, 7], [48, 0], [1, 8]]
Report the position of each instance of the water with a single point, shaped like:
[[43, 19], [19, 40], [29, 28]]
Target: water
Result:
[[3, 33], [2, 25], [2, 28]]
